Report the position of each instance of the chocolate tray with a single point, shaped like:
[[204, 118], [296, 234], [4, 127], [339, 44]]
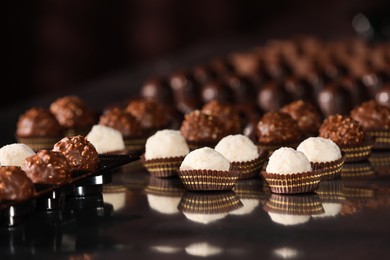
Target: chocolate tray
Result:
[[49, 197]]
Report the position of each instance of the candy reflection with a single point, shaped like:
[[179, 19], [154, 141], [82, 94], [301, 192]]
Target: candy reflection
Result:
[[203, 249]]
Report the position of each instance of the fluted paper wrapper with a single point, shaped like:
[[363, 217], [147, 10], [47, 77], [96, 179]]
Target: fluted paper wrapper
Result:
[[381, 138], [331, 191], [356, 171], [39, 143], [294, 204], [165, 187], [329, 170], [163, 167], [209, 203], [249, 169], [293, 183], [209, 180], [357, 153]]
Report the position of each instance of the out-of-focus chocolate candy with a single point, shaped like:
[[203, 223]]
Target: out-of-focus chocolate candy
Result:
[[334, 99], [250, 129], [382, 96], [203, 74], [14, 184], [186, 91], [272, 96], [221, 66], [371, 81], [298, 89], [216, 90], [358, 92], [157, 89]]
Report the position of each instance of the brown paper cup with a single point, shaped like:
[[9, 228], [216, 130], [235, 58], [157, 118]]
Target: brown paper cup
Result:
[[308, 204], [293, 183], [354, 171], [209, 180], [164, 167], [381, 138], [249, 169], [209, 202], [39, 143], [165, 187], [330, 170], [357, 153]]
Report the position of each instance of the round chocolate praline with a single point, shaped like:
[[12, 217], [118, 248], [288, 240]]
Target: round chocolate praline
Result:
[[278, 128], [79, 152], [272, 97], [122, 121], [342, 130], [334, 99], [38, 122], [372, 116], [14, 184], [157, 89], [357, 92], [298, 89], [47, 167], [226, 113], [382, 96], [216, 90]]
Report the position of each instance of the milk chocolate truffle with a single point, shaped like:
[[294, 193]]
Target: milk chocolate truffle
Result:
[[198, 127], [186, 91], [278, 128], [151, 114], [79, 152], [216, 90], [72, 113], [306, 114], [47, 167], [334, 99], [226, 113], [14, 184], [272, 97], [342, 130], [372, 116], [122, 121]]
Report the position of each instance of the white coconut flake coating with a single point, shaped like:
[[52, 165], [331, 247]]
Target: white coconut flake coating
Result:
[[203, 249], [237, 148], [319, 149], [205, 158], [106, 139], [287, 219], [286, 160], [204, 218], [164, 204], [14, 154], [166, 143]]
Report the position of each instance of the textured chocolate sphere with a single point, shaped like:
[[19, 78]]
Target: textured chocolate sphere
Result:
[[150, 114], [334, 99], [14, 184], [47, 167], [226, 113], [272, 97], [122, 121], [371, 115]]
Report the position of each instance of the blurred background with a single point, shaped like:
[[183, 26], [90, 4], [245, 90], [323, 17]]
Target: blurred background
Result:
[[59, 44]]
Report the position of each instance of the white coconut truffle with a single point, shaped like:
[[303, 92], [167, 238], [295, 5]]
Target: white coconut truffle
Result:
[[205, 158], [237, 148], [14, 154], [287, 219], [319, 149], [331, 210], [286, 160], [203, 249], [204, 218], [106, 139], [164, 204], [166, 143]]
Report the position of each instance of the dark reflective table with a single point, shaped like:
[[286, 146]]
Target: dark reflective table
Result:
[[143, 217]]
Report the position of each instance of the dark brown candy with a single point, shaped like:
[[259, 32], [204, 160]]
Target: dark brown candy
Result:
[[278, 128], [382, 96], [371, 115], [242, 87], [371, 81], [72, 112], [150, 114], [186, 91], [250, 129], [298, 89], [203, 74], [157, 89], [14, 184], [38, 122], [272, 97], [342, 130], [47, 167], [221, 66], [200, 127], [306, 114], [124, 122], [226, 113], [216, 90], [358, 93], [334, 99], [79, 152]]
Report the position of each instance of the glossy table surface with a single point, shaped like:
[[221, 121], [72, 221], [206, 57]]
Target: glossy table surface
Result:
[[143, 217]]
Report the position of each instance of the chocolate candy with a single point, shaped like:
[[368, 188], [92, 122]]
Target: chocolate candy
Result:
[[150, 114], [382, 96], [216, 90], [124, 122], [334, 99], [371, 115], [226, 113], [158, 90], [14, 184], [272, 97]]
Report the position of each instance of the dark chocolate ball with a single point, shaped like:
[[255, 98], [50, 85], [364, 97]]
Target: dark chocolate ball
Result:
[[216, 90], [334, 99], [382, 96], [186, 91], [272, 96], [242, 88], [157, 89], [203, 74], [298, 89], [358, 92]]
